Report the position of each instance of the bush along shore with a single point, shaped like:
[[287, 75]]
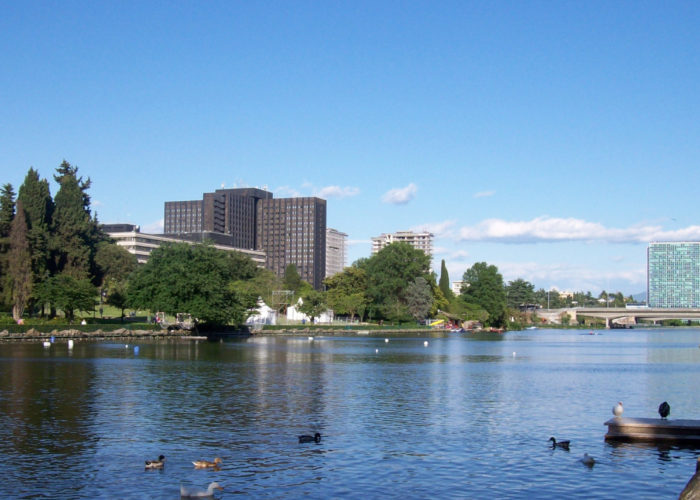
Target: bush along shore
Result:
[[33, 334]]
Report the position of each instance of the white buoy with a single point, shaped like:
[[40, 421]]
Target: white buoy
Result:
[[126, 346], [386, 341], [425, 343], [513, 353], [70, 344], [311, 339], [47, 343], [376, 350]]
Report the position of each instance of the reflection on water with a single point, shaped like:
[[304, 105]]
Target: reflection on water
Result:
[[463, 417]]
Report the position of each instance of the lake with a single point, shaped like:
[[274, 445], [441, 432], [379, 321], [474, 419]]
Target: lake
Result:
[[463, 417]]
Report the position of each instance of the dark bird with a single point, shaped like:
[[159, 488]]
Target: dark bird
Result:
[[664, 409], [156, 464], [305, 438], [560, 444]]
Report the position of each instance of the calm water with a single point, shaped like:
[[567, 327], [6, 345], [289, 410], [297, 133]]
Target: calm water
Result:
[[460, 418]]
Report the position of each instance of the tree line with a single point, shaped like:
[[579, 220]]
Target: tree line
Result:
[[54, 256]]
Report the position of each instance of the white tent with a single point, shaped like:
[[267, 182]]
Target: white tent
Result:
[[293, 314], [262, 315]]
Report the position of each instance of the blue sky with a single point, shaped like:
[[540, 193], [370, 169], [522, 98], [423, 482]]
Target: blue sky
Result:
[[552, 139]]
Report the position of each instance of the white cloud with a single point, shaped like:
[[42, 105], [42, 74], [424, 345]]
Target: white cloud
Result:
[[287, 192], [552, 229], [439, 229], [337, 192], [484, 194], [400, 196], [359, 242], [154, 227]]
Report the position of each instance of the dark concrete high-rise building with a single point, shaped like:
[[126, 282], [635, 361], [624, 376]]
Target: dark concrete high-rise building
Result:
[[288, 230], [293, 231]]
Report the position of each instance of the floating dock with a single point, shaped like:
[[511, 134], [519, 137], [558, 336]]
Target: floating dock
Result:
[[653, 429]]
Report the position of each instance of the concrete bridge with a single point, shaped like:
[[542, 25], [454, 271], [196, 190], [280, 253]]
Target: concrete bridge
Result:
[[618, 315]]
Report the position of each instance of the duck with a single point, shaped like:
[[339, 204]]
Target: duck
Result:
[[588, 460], [197, 493], [305, 438], [156, 464], [201, 464], [664, 409], [618, 409], [560, 444]]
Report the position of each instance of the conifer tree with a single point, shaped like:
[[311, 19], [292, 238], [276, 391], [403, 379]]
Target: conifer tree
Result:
[[445, 281], [7, 213], [75, 233], [35, 196], [20, 264]]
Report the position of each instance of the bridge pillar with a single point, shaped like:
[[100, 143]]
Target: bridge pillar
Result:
[[607, 323]]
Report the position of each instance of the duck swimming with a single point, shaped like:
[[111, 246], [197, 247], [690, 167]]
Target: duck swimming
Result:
[[560, 444], [310, 439], [156, 464], [196, 493], [588, 460], [201, 464]]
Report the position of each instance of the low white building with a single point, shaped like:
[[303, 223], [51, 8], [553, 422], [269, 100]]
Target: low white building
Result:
[[262, 315]]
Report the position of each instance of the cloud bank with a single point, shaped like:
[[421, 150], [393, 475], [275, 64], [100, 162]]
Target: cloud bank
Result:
[[552, 229], [337, 192], [400, 196]]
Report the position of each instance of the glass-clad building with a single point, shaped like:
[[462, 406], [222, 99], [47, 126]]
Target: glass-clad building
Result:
[[673, 274]]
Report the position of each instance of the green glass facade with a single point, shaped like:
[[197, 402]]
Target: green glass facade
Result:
[[673, 275]]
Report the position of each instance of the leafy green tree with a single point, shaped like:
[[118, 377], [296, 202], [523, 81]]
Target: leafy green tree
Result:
[[519, 292], [114, 262], [292, 280], [75, 233], [389, 274], [197, 279], [445, 281], [347, 292], [118, 295], [483, 285], [313, 304], [35, 196], [419, 298], [19, 265], [263, 285], [68, 293]]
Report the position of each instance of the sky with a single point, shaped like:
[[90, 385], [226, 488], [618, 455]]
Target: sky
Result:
[[552, 139]]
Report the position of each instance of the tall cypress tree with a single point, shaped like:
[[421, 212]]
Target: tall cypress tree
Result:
[[35, 196], [445, 281], [20, 264], [75, 232]]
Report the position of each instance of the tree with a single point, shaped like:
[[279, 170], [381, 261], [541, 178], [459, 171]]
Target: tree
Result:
[[389, 274], [75, 233], [419, 298], [115, 263], [483, 285], [445, 281], [68, 293], [292, 280], [197, 279], [35, 196], [347, 291], [313, 304], [19, 265], [7, 214], [118, 295], [519, 292]]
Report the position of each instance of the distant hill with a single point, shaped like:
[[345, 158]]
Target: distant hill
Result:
[[640, 297]]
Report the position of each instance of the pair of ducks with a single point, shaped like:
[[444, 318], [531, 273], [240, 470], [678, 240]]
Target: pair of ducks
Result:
[[586, 460], [198, 464]]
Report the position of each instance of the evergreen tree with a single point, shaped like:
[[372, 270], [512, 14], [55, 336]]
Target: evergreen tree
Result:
[[7, 213], [35, 196], [20, 265], [445, 281], [75, 233]]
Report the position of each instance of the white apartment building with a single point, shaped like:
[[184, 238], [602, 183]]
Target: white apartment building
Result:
[[421, 241], [336, 243]]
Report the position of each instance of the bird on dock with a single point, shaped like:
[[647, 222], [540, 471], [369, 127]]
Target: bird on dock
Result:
[[664, 409], [617, 409], [196, 493], [560, 444], [203, 464], [305, 438], [588, 460], [156, 464]]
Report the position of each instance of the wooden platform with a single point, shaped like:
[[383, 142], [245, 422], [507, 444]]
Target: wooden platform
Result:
[[653, 429]]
